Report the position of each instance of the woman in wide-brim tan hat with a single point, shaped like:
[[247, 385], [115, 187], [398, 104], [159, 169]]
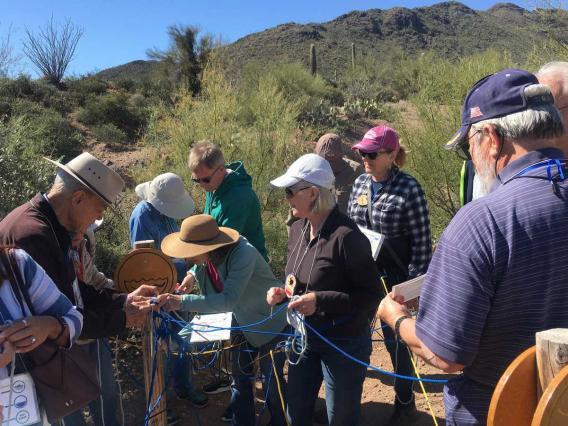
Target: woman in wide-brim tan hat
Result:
[[232, 277]]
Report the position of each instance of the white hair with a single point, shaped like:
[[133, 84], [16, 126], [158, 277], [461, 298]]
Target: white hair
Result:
[[66, 184], [540, 121], [325, 201], [557, 69]]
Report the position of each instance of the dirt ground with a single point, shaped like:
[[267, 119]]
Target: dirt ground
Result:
[[376, 402]]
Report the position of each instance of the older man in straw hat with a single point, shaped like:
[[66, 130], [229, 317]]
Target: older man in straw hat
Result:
[[44, 226]]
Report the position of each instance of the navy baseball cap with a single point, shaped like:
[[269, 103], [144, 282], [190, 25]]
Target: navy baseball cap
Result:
[[494, 96]]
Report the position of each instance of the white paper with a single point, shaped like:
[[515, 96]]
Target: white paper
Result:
[[24, 409], [375, 239], [409, 290], [209, 328]]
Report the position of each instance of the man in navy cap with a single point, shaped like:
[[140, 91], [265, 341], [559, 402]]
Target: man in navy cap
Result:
[[498, 275]]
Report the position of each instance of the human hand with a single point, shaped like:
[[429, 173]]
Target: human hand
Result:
[[305, 304], [7, 354], [275, 295], [30, 332], [186, 285], [390, 309], [138, 304], [170, 302]]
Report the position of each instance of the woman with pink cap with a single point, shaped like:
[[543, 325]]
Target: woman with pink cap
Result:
[[389, 201]]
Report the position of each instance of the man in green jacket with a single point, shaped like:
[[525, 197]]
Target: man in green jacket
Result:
[[230, 198]]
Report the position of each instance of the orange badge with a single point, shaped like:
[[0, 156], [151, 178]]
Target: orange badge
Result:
[[362, 200]]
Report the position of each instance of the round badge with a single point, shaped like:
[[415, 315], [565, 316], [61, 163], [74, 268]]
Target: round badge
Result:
[[145, 266], [289, 285], [362, 200]]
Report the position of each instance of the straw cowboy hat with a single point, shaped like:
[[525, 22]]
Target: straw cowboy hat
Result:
[[94, 175], [167, 194], [199, 234]]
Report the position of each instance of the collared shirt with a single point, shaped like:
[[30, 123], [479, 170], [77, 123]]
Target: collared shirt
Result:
[[399, 210], [337, 264], [497, 277]]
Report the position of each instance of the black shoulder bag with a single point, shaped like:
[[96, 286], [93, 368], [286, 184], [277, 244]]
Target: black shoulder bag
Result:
[[65, 379]]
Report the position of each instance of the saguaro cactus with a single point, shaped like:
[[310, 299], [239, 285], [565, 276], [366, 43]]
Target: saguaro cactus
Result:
[[353, 57], [313, 60]]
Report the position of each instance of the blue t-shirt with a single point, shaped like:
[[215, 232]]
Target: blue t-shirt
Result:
[[497, 277]]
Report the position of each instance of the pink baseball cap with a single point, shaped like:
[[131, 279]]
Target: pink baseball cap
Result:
[[380, 137]]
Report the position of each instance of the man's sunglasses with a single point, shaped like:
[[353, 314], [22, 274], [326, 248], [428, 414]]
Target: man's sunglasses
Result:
[[206, 179], [291, 192], [462, 150], [373, 155]]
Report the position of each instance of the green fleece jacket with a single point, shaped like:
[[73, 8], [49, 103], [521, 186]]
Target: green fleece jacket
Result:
[[235, 205], [246, 278]]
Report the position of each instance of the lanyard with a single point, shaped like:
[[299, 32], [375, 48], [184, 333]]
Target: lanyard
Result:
[[549, 164]]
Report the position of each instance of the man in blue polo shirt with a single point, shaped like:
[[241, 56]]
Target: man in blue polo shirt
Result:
[[499, 273]]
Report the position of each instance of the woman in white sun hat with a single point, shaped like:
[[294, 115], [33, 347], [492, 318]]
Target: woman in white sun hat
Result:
[[333, 280], [163, 200]]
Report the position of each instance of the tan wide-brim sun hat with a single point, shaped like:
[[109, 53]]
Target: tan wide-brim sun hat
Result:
[[94, 175], [199, 234], [168, 195]]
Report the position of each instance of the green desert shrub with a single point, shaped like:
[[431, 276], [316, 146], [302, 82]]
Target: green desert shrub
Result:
[[22, 173], [108, 132], [258, 126], [113, 108], [42, 131]]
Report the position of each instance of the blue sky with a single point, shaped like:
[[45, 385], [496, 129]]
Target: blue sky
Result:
[[119, 31]]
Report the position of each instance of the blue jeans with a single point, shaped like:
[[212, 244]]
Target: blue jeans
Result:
[[181, 364], [400, 358], [242, 397], [343, 380], [108, 402]]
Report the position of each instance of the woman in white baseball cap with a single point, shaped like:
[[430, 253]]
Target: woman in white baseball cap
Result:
[[331, 279]]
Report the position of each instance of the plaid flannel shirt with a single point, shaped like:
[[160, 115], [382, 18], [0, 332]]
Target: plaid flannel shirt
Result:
[[400, 209]]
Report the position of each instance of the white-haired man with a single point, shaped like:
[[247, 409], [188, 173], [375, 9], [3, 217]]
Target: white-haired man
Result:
[[498, 273], [555, 76], [44, 227]]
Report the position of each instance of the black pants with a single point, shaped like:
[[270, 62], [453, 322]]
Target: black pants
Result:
[[402, 365]]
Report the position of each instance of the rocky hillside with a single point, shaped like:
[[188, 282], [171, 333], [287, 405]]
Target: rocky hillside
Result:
[[449, 28]]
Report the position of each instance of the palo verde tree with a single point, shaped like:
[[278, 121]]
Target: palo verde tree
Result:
[[52, 48], [184, 60]]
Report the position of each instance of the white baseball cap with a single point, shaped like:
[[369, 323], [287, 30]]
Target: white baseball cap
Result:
[[310, 168], [167, 194]]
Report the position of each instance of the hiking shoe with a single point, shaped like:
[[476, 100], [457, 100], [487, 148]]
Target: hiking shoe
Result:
[[172, 418], [403, 414], [227, 415], [217, 386], [196, 398]]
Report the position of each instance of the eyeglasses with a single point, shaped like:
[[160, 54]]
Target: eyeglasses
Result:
[[206, 179], [462, 150], [291, 192], [373, 155]]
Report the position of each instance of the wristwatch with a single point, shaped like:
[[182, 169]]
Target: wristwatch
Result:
[[397, 325]]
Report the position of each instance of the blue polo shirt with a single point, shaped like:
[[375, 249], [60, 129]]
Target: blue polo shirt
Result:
[[499, 275]]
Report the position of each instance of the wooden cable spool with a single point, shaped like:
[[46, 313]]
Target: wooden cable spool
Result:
[[515, 398]]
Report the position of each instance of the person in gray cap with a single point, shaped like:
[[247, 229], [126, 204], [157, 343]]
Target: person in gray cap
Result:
[[344, 169], [498, 274]]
